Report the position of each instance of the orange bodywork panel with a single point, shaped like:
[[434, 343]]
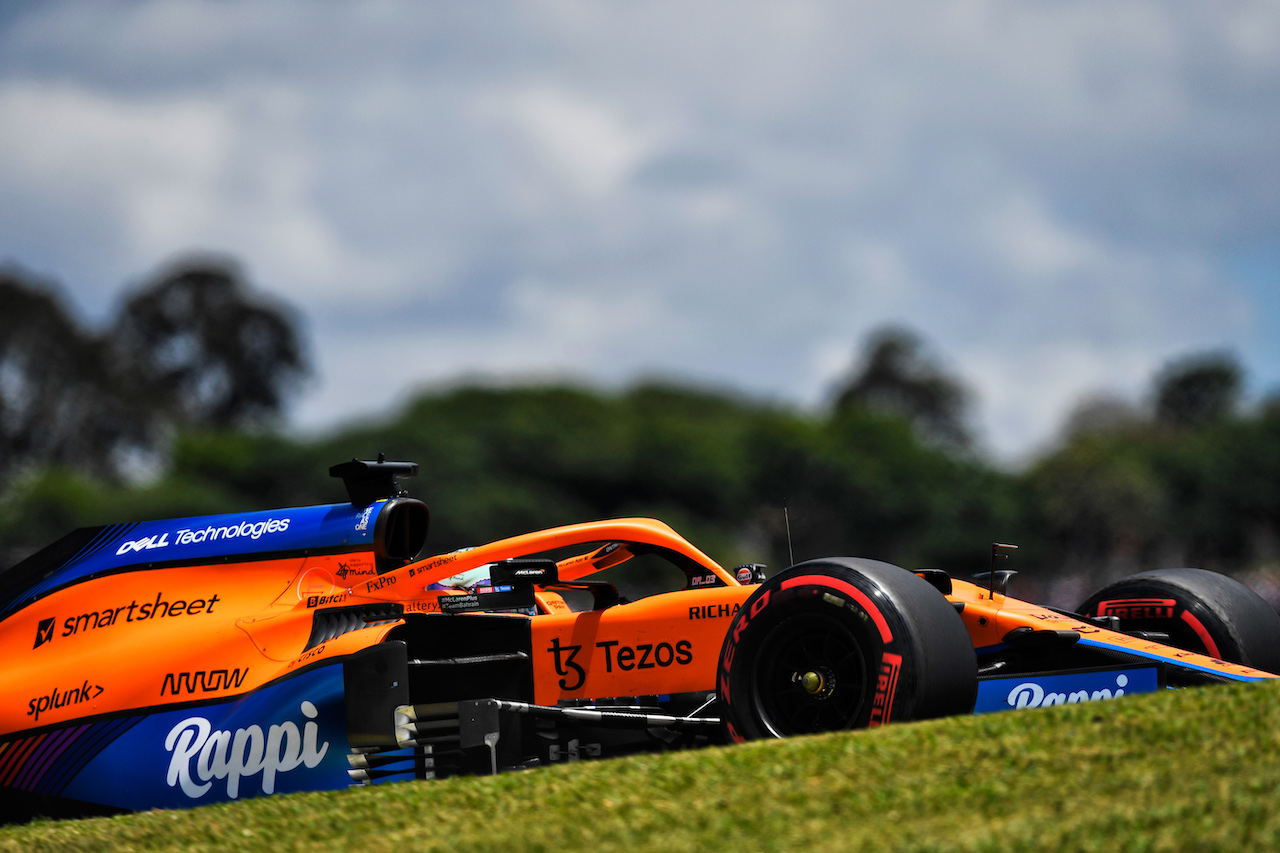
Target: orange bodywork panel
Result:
[[662, 644], [206, 632], [174, 635], [990, 618]]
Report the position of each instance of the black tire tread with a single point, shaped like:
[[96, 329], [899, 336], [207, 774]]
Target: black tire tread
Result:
[[943, 676], [1246, 627]]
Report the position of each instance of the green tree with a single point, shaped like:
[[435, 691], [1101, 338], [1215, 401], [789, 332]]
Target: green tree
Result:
[[1198, 390], [59, 404], [898, 376], [198, 346]]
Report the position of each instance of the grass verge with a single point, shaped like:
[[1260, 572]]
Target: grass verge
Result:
[[1191, 769]]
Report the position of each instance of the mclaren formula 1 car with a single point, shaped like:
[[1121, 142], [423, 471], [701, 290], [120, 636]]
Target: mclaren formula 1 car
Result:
[[189, 661]]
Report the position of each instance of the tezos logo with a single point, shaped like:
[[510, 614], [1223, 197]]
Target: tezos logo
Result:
[[44, 631], [200, 753]]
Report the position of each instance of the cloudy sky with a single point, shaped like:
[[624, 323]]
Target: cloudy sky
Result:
[[1058, 196]]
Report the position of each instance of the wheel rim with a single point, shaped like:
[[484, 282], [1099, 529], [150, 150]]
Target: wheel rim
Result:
[[811, 676]]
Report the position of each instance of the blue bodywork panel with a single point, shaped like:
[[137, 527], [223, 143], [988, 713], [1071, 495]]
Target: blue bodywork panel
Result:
[[1038, 691], [334, 526]]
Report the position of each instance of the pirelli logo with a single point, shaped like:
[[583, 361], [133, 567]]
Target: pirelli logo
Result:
[[202, 681], [886, 687], [1138, 608]]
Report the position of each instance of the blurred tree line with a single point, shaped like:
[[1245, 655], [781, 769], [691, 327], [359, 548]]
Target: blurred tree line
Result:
[[187, 383]]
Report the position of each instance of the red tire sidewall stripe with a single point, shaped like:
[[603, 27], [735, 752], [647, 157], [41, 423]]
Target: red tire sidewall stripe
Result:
[[853, 592], [1202, 633]]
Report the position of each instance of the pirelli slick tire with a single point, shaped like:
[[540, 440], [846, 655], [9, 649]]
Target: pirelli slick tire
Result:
[[843, 643], [1201, 611]]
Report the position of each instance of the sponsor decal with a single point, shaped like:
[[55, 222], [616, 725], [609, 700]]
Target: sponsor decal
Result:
[[83, 692], [133, 612], [283, 530], [713, 611], [374, 586], [305, 656], [190, 536], [639, 656], [460, 603], [646, 655], [1018, 692], [1138, 608], [315, 581], [320, 600], [44, 631], [432, 606], [202, 755], [564, 659], [123, 760], [745, 575], [146, 543], [204, 681], [253, 529], [1029, 694], [886, 687], [353, 569], [435, 562]]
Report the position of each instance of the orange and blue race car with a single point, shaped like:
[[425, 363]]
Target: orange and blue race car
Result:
[[188, 661]]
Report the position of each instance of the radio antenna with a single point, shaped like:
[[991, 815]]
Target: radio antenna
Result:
[[786, 520]]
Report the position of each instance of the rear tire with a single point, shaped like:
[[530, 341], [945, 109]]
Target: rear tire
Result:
[[1201, 611], [843, 643]]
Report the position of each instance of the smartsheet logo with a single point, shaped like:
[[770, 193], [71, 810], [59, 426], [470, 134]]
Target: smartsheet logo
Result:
[[44, 631]]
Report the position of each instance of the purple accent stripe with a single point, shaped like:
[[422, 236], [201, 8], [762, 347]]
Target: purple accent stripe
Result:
[[18, 758], [98, 737], [53, 749], [36, 762]]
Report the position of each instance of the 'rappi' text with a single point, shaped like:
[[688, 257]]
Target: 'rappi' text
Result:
[[190, 535], [1032, 695], [135, 612], [201, 755]]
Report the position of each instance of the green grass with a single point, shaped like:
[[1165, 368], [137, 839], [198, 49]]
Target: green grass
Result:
[[1194, 769]]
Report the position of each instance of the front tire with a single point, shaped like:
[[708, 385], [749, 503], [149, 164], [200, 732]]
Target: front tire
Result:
[[1200, 611], [843, 643]]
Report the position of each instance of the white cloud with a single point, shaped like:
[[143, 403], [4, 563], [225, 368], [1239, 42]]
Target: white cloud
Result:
[[591, 147], [735, 192]]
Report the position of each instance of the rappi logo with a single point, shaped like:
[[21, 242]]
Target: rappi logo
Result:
[[202, 755], [1028, 694]]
